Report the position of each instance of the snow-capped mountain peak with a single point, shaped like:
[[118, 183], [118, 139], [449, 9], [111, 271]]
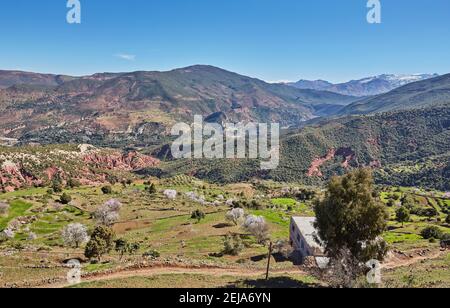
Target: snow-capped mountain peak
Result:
[[368, 86]]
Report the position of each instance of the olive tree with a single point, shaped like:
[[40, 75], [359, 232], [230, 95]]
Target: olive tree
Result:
[[122, 246], [232, 245]]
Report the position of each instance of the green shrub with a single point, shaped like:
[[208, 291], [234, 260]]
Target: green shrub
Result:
[[107, 190], [57, 186], [112, 179], [232, 245], [402, 215], [153, 254], [432, 232], [424, 212], [198, 215], [73, 183], [65, 198], [151, 189]]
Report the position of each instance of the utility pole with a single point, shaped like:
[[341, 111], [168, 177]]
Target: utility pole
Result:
[[268, 261]]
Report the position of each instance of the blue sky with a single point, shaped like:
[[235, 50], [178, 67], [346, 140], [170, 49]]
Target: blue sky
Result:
[[269, 39]]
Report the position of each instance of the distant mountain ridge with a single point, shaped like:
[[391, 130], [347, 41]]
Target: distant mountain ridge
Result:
[[434, 92], [16, 78], [363, 87], [117, 106]]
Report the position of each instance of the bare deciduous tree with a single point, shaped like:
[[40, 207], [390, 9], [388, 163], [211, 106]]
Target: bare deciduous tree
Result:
[[108, 213], [236, 216], [7, 234], [114, 205], [75, 235], [4, 208], [258, 227], [170, 194]]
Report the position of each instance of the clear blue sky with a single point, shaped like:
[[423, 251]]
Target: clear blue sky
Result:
[[269, 39]]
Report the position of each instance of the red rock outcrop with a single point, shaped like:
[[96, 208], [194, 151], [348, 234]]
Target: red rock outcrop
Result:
[[119, 161], [314, 170], [14, 175], [347, 154]]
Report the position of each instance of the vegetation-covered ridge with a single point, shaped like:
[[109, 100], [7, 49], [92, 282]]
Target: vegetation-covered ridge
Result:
[[409, 148]]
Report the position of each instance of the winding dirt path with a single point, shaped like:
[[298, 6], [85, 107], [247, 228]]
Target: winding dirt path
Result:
[[234, 272], [155, 271]]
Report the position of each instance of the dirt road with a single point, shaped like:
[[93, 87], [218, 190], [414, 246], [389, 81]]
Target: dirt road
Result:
[[393, 263], [155, 271]]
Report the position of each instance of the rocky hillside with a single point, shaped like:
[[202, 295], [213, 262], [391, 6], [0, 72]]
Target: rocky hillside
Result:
[[37, 166]]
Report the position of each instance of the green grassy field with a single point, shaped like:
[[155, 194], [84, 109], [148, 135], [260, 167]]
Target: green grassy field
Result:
[[426, 274], [164, 225], [204, 281], [17, 208]]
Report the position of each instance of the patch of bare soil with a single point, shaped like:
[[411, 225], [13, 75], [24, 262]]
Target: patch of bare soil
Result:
[[400, 259]]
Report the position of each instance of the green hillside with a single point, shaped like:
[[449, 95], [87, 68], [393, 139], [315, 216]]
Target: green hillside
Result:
[[406, 148]]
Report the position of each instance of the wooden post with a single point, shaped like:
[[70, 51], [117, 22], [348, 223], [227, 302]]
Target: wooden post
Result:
[[268, 261]]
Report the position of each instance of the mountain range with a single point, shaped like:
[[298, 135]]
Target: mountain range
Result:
[[423, 94], [363, 87], [42, 108], [404, 134]]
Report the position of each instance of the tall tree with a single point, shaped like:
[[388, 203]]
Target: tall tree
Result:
[[350, 220], [101, 242], [402, 215]]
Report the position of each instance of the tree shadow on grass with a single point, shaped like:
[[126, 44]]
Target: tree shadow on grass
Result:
[[258, 258], [222, 226], [279, 258], [273, 283]]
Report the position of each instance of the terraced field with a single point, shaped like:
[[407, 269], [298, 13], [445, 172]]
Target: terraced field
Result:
[[160, 224]]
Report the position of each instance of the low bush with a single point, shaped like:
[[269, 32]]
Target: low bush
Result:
[[432, 232]]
